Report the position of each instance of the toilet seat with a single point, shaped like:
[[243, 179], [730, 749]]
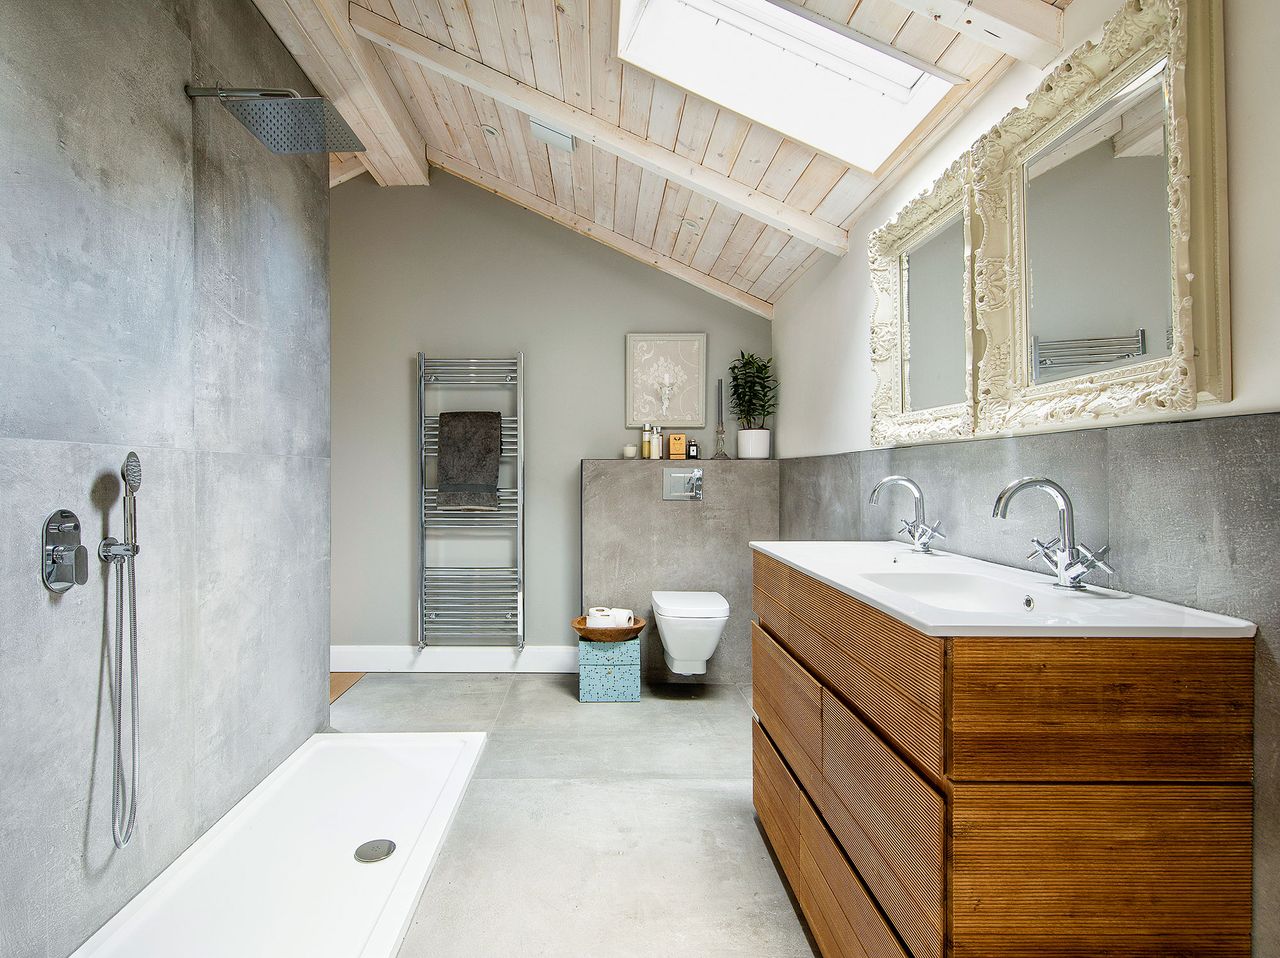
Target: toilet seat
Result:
[[691, 605]]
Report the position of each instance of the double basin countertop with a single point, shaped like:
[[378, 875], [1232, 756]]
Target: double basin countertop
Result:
[[944, 594]]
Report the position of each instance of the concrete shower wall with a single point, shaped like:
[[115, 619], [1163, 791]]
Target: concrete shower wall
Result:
[[163, 282], [1190, 510]]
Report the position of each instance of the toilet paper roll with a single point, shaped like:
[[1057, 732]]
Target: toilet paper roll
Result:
[[622, 617], [599, 618]]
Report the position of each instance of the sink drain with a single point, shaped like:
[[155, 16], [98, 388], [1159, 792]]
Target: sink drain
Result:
[[376, 850]]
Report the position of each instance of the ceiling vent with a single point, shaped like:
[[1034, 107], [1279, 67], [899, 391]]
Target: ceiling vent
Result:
[[556, 139]]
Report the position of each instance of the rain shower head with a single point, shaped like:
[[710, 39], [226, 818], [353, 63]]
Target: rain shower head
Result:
[[131, 473], [286, 122]]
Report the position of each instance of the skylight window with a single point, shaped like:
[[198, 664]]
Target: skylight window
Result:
[[808, 81]]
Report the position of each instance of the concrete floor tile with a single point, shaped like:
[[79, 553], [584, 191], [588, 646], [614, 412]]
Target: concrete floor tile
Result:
[[399, 702], [569, 868]]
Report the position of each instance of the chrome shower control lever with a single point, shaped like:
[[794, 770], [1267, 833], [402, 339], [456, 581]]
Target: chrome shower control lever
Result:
[[65, 562]]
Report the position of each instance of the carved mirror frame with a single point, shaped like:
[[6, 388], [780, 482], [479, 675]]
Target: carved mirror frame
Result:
[[893, 422], [1137, 38]]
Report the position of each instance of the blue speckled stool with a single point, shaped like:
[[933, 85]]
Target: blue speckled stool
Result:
[[609, 671]]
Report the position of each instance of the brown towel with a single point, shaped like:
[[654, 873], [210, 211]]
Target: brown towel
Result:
[[470, 447]]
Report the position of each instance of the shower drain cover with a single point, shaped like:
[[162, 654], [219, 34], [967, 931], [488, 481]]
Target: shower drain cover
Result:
[[376, 850]]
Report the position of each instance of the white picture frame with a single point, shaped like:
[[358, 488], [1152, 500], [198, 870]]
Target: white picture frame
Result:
[[666, 380]]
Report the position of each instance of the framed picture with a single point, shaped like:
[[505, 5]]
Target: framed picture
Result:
[[667, 380]]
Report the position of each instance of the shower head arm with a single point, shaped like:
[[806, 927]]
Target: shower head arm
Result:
[[243, 93]]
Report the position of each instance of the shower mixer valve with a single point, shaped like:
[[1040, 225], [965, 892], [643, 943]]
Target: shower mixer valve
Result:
[[65, 562]]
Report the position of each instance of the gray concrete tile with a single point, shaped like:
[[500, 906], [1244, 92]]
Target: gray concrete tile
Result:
[[55, 717], [97, 255], [399, 702], [634, 543], [569, 868], [261, 682], [550, 702], [590, 754]]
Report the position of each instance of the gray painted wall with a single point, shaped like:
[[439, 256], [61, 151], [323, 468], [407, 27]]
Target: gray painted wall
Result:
[[454, 271], [164, 288], [1190, 510], [635, 543]]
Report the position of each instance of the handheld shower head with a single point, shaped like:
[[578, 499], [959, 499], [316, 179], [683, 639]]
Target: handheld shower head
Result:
[[131, 473]]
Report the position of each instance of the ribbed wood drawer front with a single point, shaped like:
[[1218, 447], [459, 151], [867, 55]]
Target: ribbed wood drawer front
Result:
[[1057, 709], [803, 643], [1065, 871], [777, 800], [789, 704], [841, 913], [914, 730], [905, 658], [891, 823], [769, 574]]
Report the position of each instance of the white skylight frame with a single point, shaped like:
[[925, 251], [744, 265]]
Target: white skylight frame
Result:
[[818, 84]]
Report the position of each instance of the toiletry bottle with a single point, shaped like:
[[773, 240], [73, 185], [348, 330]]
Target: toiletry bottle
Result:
[[645, 438], [655, 443], [693, 449]]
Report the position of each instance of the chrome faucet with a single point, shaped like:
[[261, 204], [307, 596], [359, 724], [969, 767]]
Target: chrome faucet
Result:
[[918, 531], [1069, 560]]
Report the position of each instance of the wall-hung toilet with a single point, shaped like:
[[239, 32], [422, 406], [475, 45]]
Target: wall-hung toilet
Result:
[[690, 625]]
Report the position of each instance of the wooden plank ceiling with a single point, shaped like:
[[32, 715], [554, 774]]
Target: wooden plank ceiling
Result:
[[732, 220]]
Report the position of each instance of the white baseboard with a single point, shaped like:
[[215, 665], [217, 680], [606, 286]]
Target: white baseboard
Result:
[[440, 658]]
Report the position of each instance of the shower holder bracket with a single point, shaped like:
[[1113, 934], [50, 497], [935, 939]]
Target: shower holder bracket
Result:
[[64, 562]]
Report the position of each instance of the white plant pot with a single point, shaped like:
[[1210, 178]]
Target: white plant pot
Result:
[[753, 443]]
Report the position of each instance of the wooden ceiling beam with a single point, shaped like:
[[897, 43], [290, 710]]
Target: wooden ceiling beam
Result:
[[343, 168], [346, 69], [599, 132], [1029, 30], [589, 228]]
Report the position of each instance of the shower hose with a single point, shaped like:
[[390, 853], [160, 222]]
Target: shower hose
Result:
[[124, 802]]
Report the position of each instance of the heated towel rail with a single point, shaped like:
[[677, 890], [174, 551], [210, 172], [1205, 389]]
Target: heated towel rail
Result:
[[462, 604]]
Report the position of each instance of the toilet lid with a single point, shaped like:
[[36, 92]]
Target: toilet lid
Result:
[[691, 605]]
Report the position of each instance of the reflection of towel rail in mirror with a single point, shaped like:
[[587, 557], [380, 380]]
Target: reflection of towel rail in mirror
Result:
[[481, 602]]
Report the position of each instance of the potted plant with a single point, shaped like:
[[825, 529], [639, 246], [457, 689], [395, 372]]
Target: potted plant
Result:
[[753, 398]]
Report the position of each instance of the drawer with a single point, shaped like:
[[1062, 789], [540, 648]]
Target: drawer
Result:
[[803, 643], [777, 800], [1101, 710], [789, 703], [769, 574], [609, 653], [913, 729], [1061, 871], [609, 683], [890, 822], [841, 912]]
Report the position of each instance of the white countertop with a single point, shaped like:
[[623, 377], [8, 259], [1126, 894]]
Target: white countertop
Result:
[[946, 594]]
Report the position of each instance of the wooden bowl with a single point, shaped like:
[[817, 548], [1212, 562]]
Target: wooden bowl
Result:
[[615, 634]]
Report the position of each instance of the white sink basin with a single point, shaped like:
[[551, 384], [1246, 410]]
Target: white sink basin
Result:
[[946, 594]]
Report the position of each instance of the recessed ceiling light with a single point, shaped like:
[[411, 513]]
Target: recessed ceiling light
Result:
[[692, 225], [491, 131]]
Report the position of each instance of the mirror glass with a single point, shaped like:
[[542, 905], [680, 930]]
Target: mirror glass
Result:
[[934, 364], [1097, 234]]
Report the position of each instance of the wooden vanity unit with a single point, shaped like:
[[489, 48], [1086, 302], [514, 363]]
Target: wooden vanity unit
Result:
[[982, 797]]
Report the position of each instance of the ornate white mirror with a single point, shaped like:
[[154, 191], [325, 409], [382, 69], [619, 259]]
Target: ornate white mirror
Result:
[[921, 343], [1100, 259]]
